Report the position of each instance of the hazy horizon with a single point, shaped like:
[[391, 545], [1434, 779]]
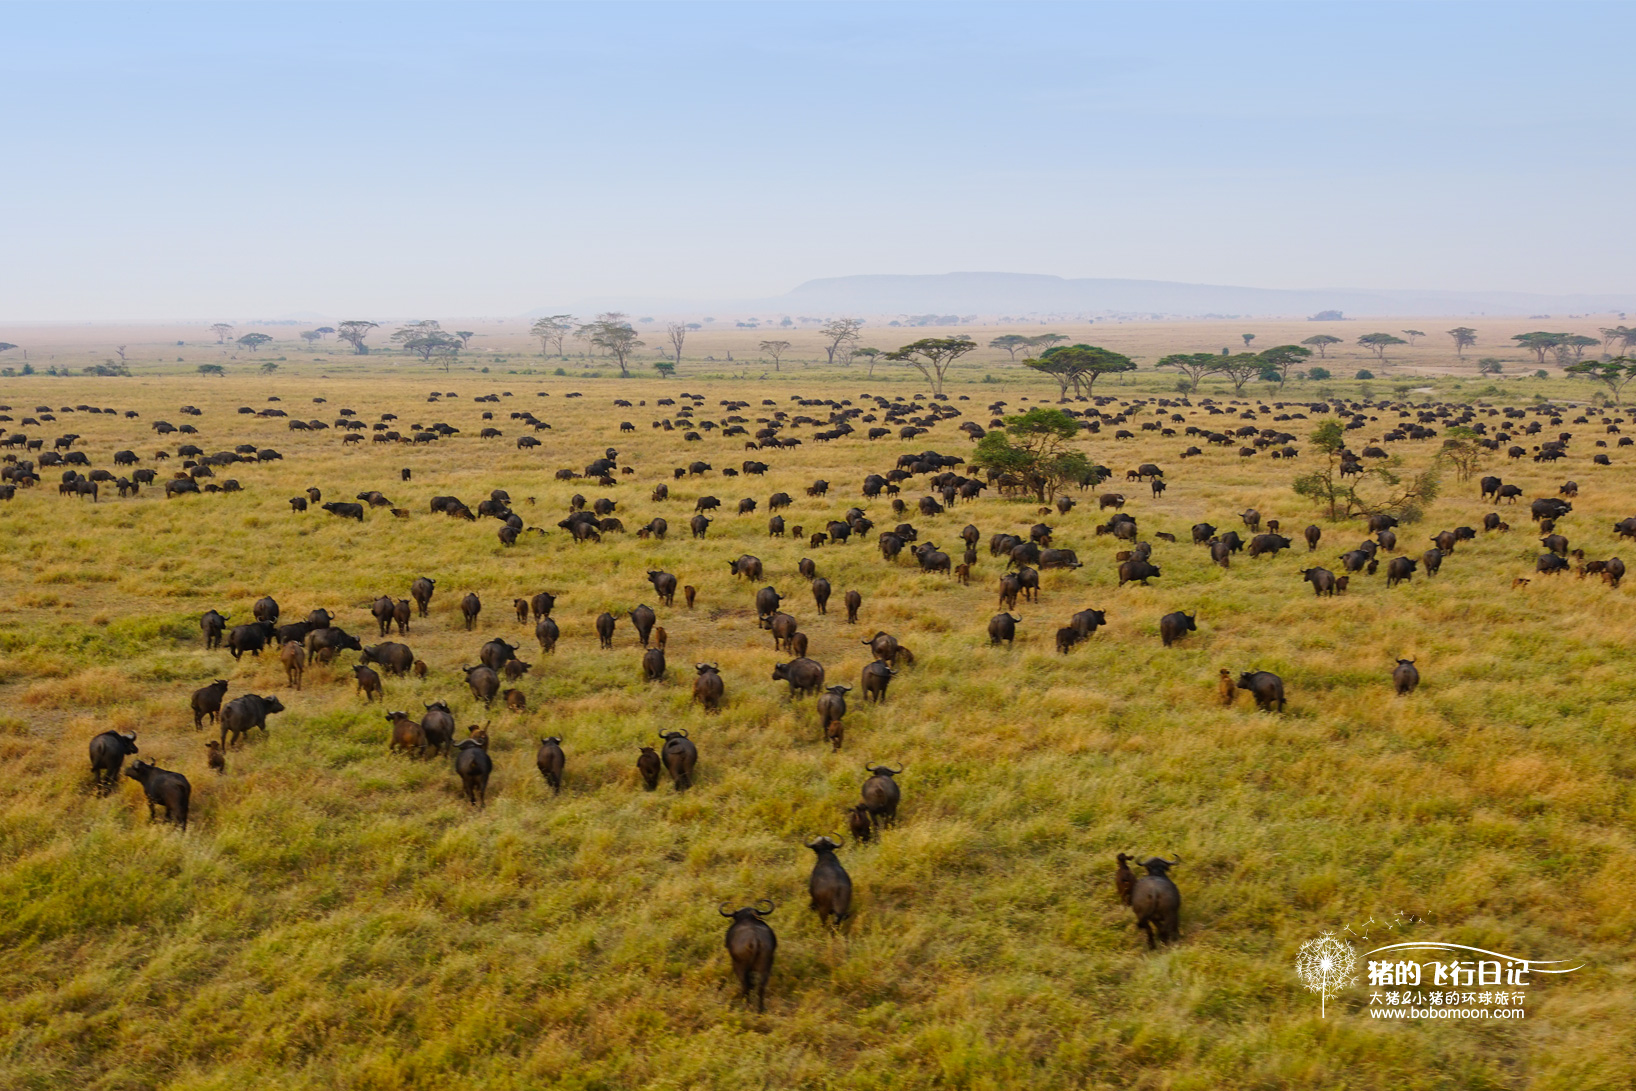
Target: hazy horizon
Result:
[[189, 161]]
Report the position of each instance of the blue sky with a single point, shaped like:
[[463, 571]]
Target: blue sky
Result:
[[250, 160]]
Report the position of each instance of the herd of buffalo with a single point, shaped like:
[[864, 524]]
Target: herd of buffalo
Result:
[[1254, 428]]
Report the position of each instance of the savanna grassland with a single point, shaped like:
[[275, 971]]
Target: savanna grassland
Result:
[[337, 916]]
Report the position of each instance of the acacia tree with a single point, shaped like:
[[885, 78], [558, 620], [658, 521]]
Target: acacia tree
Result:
[[1081, 365], [1463, 451], [221, 330], [309, 336], [1412, 334], [446, 351], [1321, 342], [1490, 365], [415, 331], [1011, 342], [1280, 358], [6, 346], [1378, 489], [677, 332], [665, 368], [269, 367], [1624, 336], [840, 333], [1045, 342], [775, 349], [212, 369], [1248, 337], [1240, 369], [1035, 449], [322, 330], [551, 331], [1613, 374], [1380, 342], [465, 337], [354, 332], [1539, 343], [251, 341], [1464, 338], [932, 356], [1575, 343], [1194, 365], [1065, 370], [613, 332], [870, 354], [435, 343]]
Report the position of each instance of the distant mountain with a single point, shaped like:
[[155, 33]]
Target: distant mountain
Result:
[[996, 294]]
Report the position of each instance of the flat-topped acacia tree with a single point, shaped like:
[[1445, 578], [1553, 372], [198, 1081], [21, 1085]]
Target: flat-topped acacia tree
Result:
[[931, 356]]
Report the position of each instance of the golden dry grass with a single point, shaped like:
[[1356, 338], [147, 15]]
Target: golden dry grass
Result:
[[336, 916]]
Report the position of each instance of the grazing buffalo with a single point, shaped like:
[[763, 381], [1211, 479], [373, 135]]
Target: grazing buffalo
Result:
[[108, 753], [1267, 689], [242, 714], [881, 794], [1086, 622], [680, 756], [1399, 570], [323, 644], [708, 688], [484, 682], [369, 683], [783, 627], [1321, 579], [1268, 544], [751, 945], [546, 632], [473, 765], [664, 585], [1172, 627], [213, 624], [829, 885], [163, 789], [653, 665], [1405, 677], [295, 662], [1138, 570], [831, 708], [470, 607], [549, 760], [392, 657], [877, 675], [643, 619], [382, 609], [421, 592], [438, 726], [648, 766], [803, 675], [1002, 628], [208, 702], [250, 638], [1156, 901], [406, 734], [346, 511], [1313, 533]]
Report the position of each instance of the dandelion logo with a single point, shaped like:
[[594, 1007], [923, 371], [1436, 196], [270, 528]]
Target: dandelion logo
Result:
[[1325, 966]]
